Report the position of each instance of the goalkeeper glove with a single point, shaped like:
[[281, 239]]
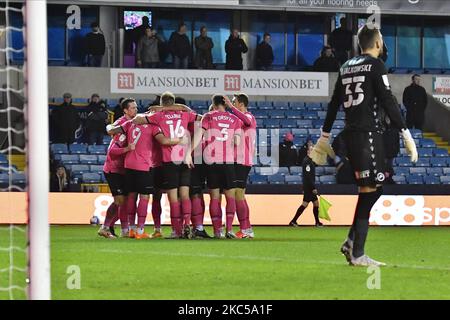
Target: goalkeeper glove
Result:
[[322, 149], [410, 145]]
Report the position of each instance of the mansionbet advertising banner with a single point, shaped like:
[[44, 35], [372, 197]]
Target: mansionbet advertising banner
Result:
[[441, 90], [78, 208], [437, 7], [208, 82]]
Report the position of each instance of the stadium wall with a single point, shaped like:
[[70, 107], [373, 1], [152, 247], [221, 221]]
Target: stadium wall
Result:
[[82, 82], [265, 209]]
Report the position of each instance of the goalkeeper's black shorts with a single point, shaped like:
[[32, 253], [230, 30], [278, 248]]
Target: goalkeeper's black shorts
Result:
[[366, 155]]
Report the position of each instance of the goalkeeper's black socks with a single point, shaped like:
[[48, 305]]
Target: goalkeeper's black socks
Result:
[[361, 223], [300, 210]]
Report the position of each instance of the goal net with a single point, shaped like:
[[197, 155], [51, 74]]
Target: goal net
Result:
[[24, 163]]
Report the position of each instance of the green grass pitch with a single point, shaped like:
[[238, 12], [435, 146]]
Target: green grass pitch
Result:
[[280, 263]]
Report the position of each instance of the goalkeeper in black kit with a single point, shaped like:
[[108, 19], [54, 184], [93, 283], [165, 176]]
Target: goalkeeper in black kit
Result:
[[363, 88]]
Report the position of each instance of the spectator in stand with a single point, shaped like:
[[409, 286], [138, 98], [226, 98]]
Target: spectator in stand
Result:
[[147, 52], [96, 120], [264, 54], [65, 121], [288, 151], [180, 47], [59, 180], [203, 47], [415, 100], [341, 40], [118, 112], [139, 32], [234, 48], [95, 46], [327, 62]]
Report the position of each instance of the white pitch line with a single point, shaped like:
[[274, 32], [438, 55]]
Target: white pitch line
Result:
[[216, 256]]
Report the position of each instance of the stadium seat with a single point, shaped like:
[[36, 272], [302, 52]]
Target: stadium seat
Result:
[[438, 162], [91, 178], [288, 123], [330, 170], [3, 160], [70, 158], [261, 114], [18, 178], [264, 171], [277, 114], [315, 132], [317, 124], [106, 140], [145, 103], [293, 179], [403, 162], [327, 179], [4, 180], [446, 171], [425, 152], [281, 105], [197, 103], [272, 123], [300, 132], [432, 180], [293, 114], [322, 114], [339, 124], [264, 105], [401, 171], [101, 158], [399, 179], [88, 159], [80, 100], [276, 179], [313, 106], [96, 168], [445, 180], [423, 162], [260, 123], [416, 133], [257, 179], [97, 149], [281, 171], [59, 148], [418, 171], [78, 148], [295, 170], [79, 169], [320, 171], [304, 124], [297, 105], [427, 143], [437, 172], [440, 152], [310, 115], [340, 115], [112, 102], [414, 179]]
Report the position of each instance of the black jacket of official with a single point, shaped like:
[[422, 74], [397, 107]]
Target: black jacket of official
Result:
[[415, 100], [203, 53], [234, 48], [264, 55], [65, 121], [327, 64], [95, 44], [179, 45]]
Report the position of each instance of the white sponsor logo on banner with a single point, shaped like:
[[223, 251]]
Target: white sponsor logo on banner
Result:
[[152, 81]]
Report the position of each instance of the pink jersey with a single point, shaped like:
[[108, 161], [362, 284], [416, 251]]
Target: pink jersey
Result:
[[221, 127], [140, 158], [246, 150], [173, 124], [115, 156]]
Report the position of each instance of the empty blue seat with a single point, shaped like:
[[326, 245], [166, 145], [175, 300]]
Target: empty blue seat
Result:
[[293, 179], [96, 168], [112, 102], [425, 152], [258, 179], [401, 171], [297, 105], [101, 158], [418, 171], [295, 170], [78, 149], [18, 178], [340, 115], [435, 172], [310, 115], [260, 122], [322, 114], [197, 103], [97, 149], [272, 123], [91, 178], [315, 132], [427, 143], [399, 179], [281, 105], [445, 179], [416, 133], [261, 114], [281, 171], [300, 132], [88, 159], [313, 106], [277, 114], [327, 180], [106, 140], [4, 179], [317, 124], [446, 171], [79, 169], [288, 123], [70, 158], [320, 171], [339, 124], [330, 170], [59, 148], [423, 162], [440, 152], [438, 162], [414, 179], [304, 124], [264, 105], [403, 162], [432, 180], [293, 114], [276, 179], [79, 100]]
